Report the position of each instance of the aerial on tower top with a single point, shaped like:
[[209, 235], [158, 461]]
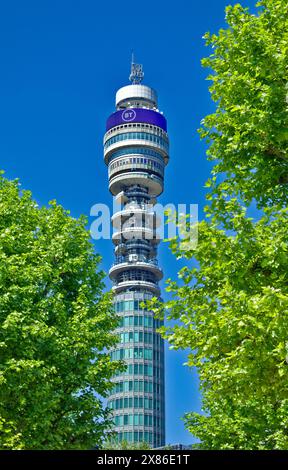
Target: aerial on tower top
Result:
[[136, 76]]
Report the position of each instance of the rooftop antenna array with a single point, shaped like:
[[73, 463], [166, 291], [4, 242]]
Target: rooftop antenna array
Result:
[[136, 75]]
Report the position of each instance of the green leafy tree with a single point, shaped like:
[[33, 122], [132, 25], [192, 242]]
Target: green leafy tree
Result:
[[248, 132], [231, 304], [233, 318], [55, 326], [124, 445]]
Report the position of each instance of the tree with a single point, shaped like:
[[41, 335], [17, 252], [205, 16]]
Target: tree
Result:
[[124, 445], [233, 318], [248, 132], [232, 300], [55, 327]]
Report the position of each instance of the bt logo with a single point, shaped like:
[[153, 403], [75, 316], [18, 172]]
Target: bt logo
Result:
[[128, 115]]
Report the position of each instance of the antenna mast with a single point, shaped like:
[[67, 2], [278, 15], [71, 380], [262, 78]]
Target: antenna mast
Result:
[[136, 76]]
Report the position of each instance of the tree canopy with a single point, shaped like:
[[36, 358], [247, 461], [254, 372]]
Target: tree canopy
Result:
[[248, 132], [233, 318], [55, 326]]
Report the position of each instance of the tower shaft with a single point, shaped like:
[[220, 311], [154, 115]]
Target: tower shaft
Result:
[[136, 152]]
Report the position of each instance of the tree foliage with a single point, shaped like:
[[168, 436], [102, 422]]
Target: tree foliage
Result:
[[231, 304], [125, 445], [55, 327], [233, 318], [248, 132]]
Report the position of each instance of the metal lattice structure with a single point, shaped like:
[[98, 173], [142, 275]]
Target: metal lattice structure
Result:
[[136, 75]]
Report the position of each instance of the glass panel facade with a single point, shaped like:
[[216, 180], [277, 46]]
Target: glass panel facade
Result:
[[135, 151], [148, 163], [137, 136]]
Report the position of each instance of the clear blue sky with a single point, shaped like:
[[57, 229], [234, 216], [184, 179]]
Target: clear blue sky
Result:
[[61, 63]]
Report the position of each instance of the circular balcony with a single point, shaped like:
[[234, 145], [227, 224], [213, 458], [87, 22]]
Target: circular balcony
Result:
[[136, 164], [153, 183], [119, 133], [151, 217], [143, 285], [160, 148], [138, 233], [151, 266]]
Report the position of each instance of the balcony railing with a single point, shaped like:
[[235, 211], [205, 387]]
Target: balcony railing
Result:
[[139, 259]]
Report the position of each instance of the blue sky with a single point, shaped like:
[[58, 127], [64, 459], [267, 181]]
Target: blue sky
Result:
[[61, 64]]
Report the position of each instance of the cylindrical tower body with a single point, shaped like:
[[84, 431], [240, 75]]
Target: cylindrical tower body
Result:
[[136, 152]]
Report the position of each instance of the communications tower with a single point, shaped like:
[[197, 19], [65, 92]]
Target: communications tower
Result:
[[136, 151]]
